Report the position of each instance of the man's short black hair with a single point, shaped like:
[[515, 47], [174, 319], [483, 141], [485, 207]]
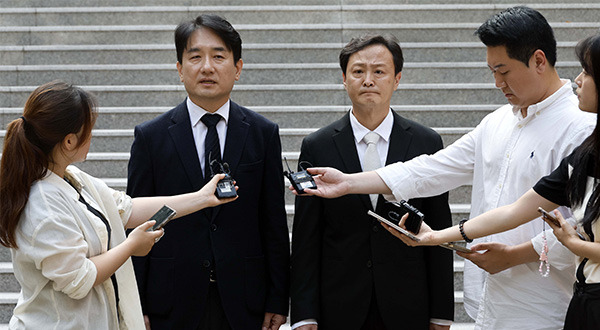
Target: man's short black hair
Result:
[[522, 31], [218, 24], [360, 43]]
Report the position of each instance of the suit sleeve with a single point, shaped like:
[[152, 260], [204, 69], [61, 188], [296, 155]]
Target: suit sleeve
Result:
[[440, 270], [140, 183], [306, 252], [274, 226]]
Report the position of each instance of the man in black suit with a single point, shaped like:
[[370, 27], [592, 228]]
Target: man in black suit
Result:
[[226, 267], [348, 272]]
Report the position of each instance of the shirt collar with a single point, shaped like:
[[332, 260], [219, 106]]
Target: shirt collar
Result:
[[197, 112], [384, 130], [69, 190], [565, 89]]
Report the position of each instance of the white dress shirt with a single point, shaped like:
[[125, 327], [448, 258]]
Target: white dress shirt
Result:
[[502, 158], [199, 129], [384, 130], [56, 236]]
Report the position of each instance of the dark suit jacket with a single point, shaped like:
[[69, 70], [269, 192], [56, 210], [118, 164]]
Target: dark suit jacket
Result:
[[340, 254], [246, 240]]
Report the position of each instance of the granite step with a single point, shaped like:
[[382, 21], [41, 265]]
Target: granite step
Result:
[[262, 33], [252, 53], [253, 74], [120, 140], [271, 95], [382, 13], [442, 115]]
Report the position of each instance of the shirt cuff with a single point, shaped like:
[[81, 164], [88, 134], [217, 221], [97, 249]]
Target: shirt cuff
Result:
[[304, 322], [440, 322]]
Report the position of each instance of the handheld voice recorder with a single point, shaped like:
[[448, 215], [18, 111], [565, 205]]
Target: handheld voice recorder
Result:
[[300, 180], [226, 186]]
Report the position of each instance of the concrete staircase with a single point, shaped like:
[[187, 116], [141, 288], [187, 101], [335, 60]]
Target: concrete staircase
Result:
[[123, 52]]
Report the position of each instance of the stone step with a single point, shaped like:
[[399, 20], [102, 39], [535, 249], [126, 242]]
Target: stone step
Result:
[[283, 14], [272, 95], [272, 33], [120, 140], [286, 116], [77, 3], [253, 74], [252, 53]]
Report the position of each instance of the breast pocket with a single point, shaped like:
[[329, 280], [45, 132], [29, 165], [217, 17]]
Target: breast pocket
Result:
[[250, 167]]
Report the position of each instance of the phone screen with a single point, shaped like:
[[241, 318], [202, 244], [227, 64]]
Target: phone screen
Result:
[[162, 216]]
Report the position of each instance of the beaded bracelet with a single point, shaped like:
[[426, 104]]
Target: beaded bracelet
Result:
[[462, 231]]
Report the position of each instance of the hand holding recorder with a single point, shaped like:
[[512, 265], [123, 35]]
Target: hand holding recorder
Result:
[[405, 221]]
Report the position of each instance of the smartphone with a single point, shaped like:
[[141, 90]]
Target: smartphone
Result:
[[162, 217], [548, 216], [394, 225], [395, 212], [455, 247]]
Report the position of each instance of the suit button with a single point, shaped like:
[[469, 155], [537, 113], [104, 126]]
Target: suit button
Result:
[[375, 228], [206, 263], [369, 264], [213, 227]]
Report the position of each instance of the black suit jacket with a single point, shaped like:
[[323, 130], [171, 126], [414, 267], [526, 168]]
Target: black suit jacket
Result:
[[340, 254], [246, 241]]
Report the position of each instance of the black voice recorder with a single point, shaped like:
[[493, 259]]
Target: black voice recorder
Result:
[[226, 186], [395, 211], [300, 180]]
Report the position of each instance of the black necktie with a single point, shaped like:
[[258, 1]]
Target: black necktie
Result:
[[212, 147]]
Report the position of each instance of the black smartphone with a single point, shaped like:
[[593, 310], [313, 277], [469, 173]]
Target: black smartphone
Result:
[[395, 211], [548, 216], [162, 217]]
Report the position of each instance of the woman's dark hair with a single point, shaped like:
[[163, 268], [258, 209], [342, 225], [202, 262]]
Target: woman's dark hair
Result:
[[230, 37], [51, 112], [359, 43], [522, 31], [586, 158]]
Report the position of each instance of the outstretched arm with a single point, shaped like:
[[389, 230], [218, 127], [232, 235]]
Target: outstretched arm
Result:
[[494, 221], [184, 204], [332, 183]]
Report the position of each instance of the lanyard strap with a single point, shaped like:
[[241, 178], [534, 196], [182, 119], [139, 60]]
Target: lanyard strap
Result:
[[99, 214]]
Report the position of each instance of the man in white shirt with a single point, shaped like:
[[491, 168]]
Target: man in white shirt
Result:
[[347, 272], [502, 158]]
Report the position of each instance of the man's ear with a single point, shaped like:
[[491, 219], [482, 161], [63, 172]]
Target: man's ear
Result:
[[179, 71], [238, 69], [344, 79], [539, 60], [397, 79]]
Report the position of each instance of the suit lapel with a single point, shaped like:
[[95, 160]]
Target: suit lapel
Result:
[[181, 133], [237, 130], [399, 140], [343, 139]]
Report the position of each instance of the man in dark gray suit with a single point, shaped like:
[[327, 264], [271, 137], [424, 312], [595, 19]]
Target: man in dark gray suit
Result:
[[347, 271]]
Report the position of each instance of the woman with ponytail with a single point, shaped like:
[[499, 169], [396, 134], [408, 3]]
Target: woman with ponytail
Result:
[[65, 228], [574, 184]]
